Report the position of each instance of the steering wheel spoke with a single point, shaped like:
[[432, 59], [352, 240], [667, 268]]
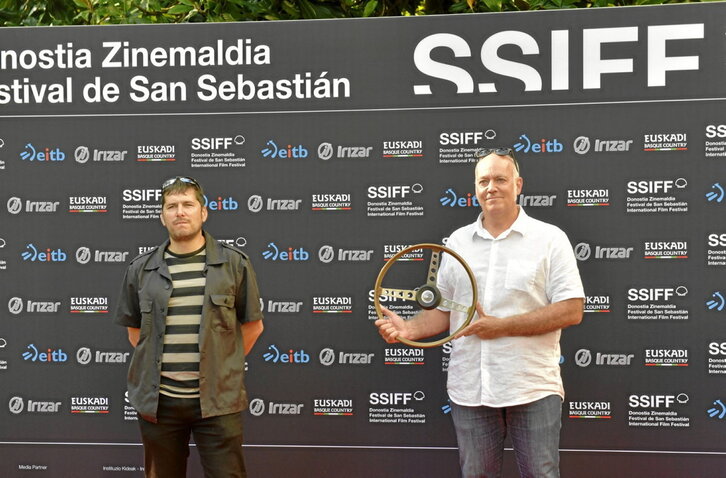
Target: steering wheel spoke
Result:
[[399, 293]]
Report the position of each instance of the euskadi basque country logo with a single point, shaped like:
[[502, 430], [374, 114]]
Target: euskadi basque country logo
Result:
[[156, 153], [287, 151], [390, 250], [403, 148], [590, 410], [715, 194], [16, 205], [290, 356], [403, 356], [329, 356], [43, 154], [84, 154], [289, 253], [588, 197], [90, 405], [669, 141], [341, 407], [669, 357], [332, 305], [540, 145], [89, 305], [665, 250], [328, 151], [95, 204], [18, 405], [331, 202], [597, 303], [35, 254], [584, 145], [256, 203], [259, 407]]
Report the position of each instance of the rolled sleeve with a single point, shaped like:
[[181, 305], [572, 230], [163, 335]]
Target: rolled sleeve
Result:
[[128, 313]]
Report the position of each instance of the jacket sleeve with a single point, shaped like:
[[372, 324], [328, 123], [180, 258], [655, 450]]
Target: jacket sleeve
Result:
[[127, 307], [248, 295]]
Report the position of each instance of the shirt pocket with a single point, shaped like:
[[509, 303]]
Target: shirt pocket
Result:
[[146, 307], [521, 275], [224, 312]]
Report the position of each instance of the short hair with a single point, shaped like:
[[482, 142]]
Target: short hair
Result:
[[503, 152], [179, 185]]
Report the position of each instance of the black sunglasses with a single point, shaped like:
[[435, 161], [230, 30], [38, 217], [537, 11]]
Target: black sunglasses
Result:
[[484, 152], [166, 184]]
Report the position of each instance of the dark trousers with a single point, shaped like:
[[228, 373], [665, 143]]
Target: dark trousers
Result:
[[166, 443]]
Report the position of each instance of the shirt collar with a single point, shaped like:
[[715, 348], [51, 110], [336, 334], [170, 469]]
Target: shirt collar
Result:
[[520, 225]]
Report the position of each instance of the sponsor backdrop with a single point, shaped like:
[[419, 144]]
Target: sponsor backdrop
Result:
[[324, 156]]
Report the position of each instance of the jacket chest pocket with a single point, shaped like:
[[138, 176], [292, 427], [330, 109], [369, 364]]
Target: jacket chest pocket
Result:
[[223, 312]]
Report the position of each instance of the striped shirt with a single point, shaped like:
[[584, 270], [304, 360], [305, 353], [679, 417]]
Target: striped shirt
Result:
[[180, 359]]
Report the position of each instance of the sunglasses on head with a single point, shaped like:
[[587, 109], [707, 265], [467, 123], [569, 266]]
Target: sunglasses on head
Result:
[[166, 184], [484, 152]]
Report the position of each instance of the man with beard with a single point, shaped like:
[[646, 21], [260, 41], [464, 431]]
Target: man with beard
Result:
[[192, 311]]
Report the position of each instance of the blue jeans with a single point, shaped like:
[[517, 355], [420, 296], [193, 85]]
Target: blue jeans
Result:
[[166, 443], [535, 431]]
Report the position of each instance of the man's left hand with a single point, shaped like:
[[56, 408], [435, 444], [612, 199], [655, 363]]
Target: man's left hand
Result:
[[483, 326]]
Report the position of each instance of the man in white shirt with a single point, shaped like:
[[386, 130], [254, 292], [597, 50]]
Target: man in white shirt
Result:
[[504, 375]]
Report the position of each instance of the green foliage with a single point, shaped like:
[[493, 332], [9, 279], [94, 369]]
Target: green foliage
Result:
[[103, 12]]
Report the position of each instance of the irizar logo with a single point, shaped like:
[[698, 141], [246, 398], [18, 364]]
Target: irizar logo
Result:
[[328, 356], [327, 151], [274, 355], [327, 254], [539, 200], [256, 203], [17, 405], [717, 193], [17, 306], [583, 252], [582, 145], [83, 154], [282, 307], [258, 408], [273, 151], [85, 356], [451, 198], [30, 153], [15, 206], [583, 358], [84, 255], [273, 253], [526, 145]]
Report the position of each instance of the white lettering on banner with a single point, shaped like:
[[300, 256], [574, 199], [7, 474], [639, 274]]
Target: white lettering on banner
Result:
[[594, 67]]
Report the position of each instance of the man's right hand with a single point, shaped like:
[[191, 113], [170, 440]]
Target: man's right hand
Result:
[[391, 327]]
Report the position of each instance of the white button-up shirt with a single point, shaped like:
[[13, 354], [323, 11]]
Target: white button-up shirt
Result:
[[528, 266]]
